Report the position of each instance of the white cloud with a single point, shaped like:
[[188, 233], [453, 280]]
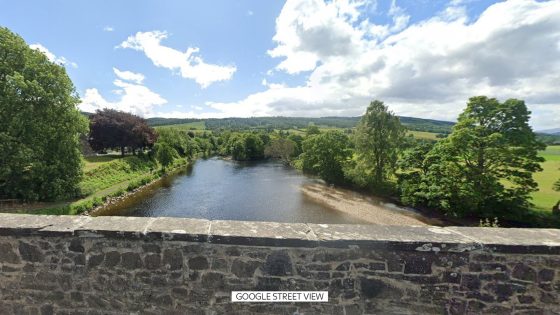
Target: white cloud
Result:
[[427, 69], [108, 29], [133, 96], [129, 76], [52, 57], [188, 64]]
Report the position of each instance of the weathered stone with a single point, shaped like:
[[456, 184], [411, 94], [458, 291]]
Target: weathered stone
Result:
[[524, 272], [30, 252], [7, 254], [212, 280], [130, 260], [152, 261], [151, 248], [374, 288], [112, 258], [546, 275], [47, 309], [418, 265], [278, 263], [95, 260], [470, 282], [76, 246], [152, 273], [198, 263], [173, 259], [244, 269], [525, 299]]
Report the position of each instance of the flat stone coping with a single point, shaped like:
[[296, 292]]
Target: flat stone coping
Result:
[[250, 233]]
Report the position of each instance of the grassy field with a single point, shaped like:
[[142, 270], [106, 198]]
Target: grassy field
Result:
[[546, 197], [423, 135], [197, 125], [91, 162]]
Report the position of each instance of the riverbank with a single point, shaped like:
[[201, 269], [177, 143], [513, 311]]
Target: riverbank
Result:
[[109, 194], [370, 209]]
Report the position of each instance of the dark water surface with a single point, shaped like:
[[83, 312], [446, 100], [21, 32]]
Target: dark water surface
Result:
[[219, 189]]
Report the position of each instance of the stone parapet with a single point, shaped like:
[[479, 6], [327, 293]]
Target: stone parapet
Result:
[[123, 265]]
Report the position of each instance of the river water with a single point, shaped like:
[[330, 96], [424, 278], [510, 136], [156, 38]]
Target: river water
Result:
[[220, 189]]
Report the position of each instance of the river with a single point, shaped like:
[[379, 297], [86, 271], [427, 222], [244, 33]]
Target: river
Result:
[[220, 189]]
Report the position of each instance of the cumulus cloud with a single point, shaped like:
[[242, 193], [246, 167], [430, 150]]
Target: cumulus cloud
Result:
[[52, 57], [108, 29], [129, 76], [133, 97], [426, 69], [188, 64]]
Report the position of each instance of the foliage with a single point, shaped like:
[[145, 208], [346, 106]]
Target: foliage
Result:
[[486, 222], [325, 154], [379, 136], [165, 154], [110, 129], [179, 140], [280, 148], [243, 146], [40, 125], [312, 129], [114, 172], [485, 166]]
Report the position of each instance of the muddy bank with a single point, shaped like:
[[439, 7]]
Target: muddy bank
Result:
[[370, 209]]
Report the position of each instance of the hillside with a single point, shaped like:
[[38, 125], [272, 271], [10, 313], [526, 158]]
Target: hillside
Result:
[[412, 123]]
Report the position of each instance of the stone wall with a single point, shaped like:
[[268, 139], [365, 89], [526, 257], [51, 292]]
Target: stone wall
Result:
[[118, 265]]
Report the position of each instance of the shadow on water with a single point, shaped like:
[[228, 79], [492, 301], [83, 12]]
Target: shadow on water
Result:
[[220, 189]]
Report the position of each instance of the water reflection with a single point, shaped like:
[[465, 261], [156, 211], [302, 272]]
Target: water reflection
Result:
[[220, 189]]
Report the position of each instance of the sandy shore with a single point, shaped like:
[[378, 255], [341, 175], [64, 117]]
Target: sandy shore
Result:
[[368, 209]]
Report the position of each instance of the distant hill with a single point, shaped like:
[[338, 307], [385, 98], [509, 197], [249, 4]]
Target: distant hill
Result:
[[279, 122], [555, 131]]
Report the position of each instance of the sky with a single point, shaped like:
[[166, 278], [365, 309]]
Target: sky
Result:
[[310, 58]]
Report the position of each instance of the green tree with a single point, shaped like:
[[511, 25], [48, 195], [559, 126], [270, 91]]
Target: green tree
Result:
[[485, 167], [113, 129], [280, 148], [379, 136], [40, 125], [325, 154], [312, 130], [165, 154]]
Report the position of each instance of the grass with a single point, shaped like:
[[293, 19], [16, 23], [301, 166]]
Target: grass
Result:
[[423, 135], [92, 162], [110, 173], [196, 125], [546, 197]]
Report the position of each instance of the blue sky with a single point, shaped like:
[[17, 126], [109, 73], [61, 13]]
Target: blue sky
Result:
[[299, 58]]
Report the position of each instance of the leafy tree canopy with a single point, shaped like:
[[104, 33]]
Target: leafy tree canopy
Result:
[[39, 125], [485, 167], [325, 154], [113, 129], [379, 136]]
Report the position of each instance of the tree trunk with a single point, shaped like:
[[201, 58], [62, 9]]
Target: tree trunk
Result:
[[122, 151]]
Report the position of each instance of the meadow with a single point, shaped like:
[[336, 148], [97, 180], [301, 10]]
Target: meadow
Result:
[[546, 197]]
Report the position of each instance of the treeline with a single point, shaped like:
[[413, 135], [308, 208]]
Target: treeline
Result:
[[483, 169]]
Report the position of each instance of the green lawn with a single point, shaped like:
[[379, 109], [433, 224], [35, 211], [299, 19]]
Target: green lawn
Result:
[[423, 135], [91, 162], [196, 125], [546, 197]]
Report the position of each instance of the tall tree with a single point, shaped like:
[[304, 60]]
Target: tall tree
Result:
[[325, 154], [379, 135], [39, 125], [113, 129], [485, 166], [280, 148]]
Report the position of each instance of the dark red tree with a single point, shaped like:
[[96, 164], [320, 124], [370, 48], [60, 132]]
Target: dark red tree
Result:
[[113, 129]]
